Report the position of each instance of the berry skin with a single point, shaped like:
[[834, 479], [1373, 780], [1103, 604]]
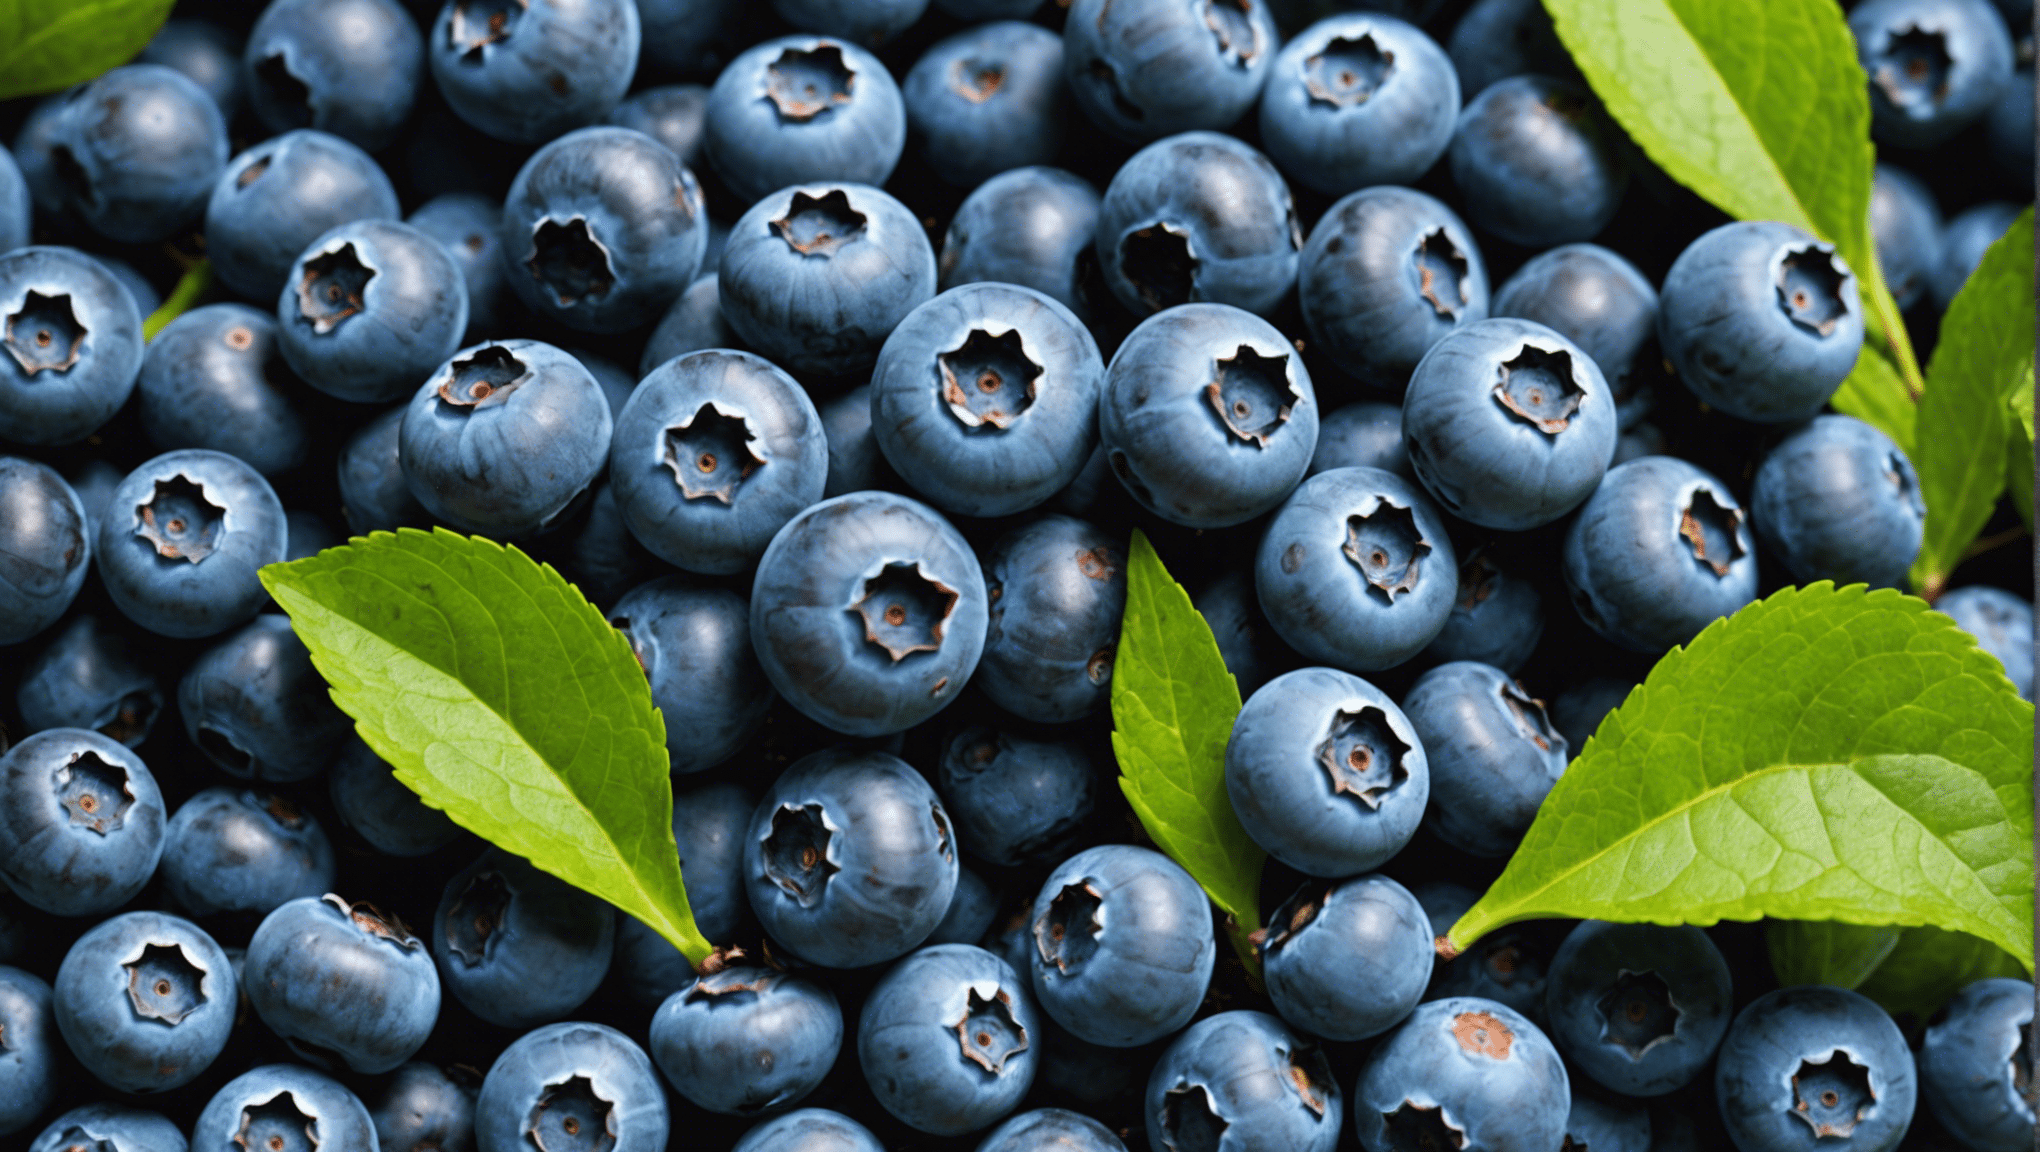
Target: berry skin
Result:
[[1967, 237], [747, 1041], [1592, 297], [971, 911], [206, 382], [1142, 69], [804, 109], [28, 1063], [2002, 624], [349, 67], [1249, 646], [868, 613], [342, 983], [81, 822], [1837, 500], [1122, 946], [1803, 1066], [145, 1001], [1325, 773], [947, 1039], [425, 1110], [1359, 99], [1015, 800], [1536, 162], [694, 644], [257, 708], [235, 850], [137, 151], [1057, 589], [182, 539], [527, 73], [1493, 754], [370, 309], [1056, 1128], [44, 536], [109, 1127], [283, 1107], [1597, 1121], [1029, 226], [1905, 222], [1367, 434], [373, 494], [988, 99], [1463, 1072], [1935, 66], [849, 859], [16, 204], [467, 225], [70, 346], [1349, 960], [282, 194], [87, 678], [675, 115], [520, 947], [1638, 1007], [1975, 1069], [715, 451], [1497, 618], [1245, 1078], [382, 809], [1507, 965], [1497, 39], [1356, 571], [207, 53], [694, 322], [810, 1130], [574, 1087]]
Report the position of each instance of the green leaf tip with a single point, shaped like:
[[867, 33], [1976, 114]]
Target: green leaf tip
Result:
[[501, 696], [1823, 754]]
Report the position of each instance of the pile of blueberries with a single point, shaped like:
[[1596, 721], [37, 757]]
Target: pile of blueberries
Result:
[[835, 349]]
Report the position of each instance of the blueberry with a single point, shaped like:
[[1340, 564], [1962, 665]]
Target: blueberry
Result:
[[709, 825], [517, 946], [81, 822], [2002, 624], [208, 54], [1493, 754], [370, 309], [424, 1109], [1142, 69], [1241, 1080], [1507, 965], [1967, 237], [1497, 619], [1207, 415], [256, 707], [988, 99], [596, 552], [145, 1001], [1356, 571], [1579, 710], [526, 72], [1366, 434], [616, 383], [1595, 1124], [1251, 651], [73, 345], [373, 494], [87, 678], [28, 1061], [342, 983], [385, 812], [1905, 222], [1660, 551], [468, 226], [946, 1039], [236, 850], [1123, 945], [2008, 125], [1761, 320], [94, 480], [747, 1041], [810, 1130], [1385, 274], [279, 196], [1935, 66], [971, 911], [504, 437], [1359, 99], [865, 21], [1349, 960], [17, 206], [855, 463], [874, 820], [804, 109], [1592, 297], [1837, 500], [1638, 1007], [868, 613], [1325, 773], [1029, 226], [109, 1128], [44, 538], [349, 67], [714, 453], [675, 115], [215, 378], [816, 276], [32, 155], [137, 151], [1802, 1067], [1057, 588], [1497, 39], [147, 299], [1198, 217], [1976, 1065], [572, 1087], [283, 1108], [1536, 162], [1056, 1128], [693, 322], [695, 647], [1463, 1072], [1015, 800]]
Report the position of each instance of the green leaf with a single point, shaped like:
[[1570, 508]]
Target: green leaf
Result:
[[2019, 457], [1874, 394], [46, 45], [1985, 356], [501, 696], [1824, 952], [1928, 966], [185, 296], [1821, 755], [1173, 705], [1760, 107]]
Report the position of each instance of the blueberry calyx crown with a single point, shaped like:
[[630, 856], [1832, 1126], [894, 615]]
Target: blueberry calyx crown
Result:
[[476, 24], [1067, 934], [1157, 259], [904, 610], [1189, 1122], [713, 987], [1638, 1013], [1538, 386], [1421, 1128], [819, 225], [94, 792], [804, 83], [1295, 914], [1482, 1033], [76, 1139], [711, 454], [1252, 395], [278, 808], [976, 80], [1832, 1095], [179, 522], [1388, 548], [1713, 530], [987, 1033], [1810, 281], [1232, 26], [1440, 270], [570, 261], [1311, 1075], [277, 1124], [333, 288], [570, 1117], [988, 381], [1532, 722], [1913, 70], [796, 856], [491, 371], [1347, 73], [163, 984], [44, 334], [252, 172], [1363, 756], [373, 921], [475, 915]]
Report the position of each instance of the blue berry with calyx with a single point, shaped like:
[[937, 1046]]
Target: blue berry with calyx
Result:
[[1057, 1128], [351, 68], [526, 71], [816, 276], [1968, 236], [715, 451], [28, 1064], [70, 346], [710, 823], [1507, 965], [1142, 69], [1015, 800], [850, 859], [2002, 625], [370, 309], [985, 399], [373, 494], [1537, 162], [145, 1001], [1366, 434], [971, 911], [1660, 551], [1804, 1067], [84, 822], [602, 229], [1057, 589], [573, 1086], [504, 438], [279, 196], [1359, 99], [44, 534], [1592, 297], [1122, 945], [675, 115], [109, 1128], [1496, 619], [1347, 960], [1243, 1078], [1493, 753], [810, 1130], [1029, 226], [1385, 274], [136, 152], [1253, 654], [344, 984], [517, 946], [948, 1038], [286, 1107], [1761, 320], [87, 677], [694, 644], [693, 322], [1325, 772], [1463, 1073], [1595, 1122], [1935, 66], [468, 225], [1356, 570], [1207, 415], [381, 809], [215, 378], [1640, 1008], [257, 708], [987, 99], [1198, 217], [209, 54], [1838, 500], [1905, 224], [804, 109], [747, 1041], [426, 1109], [182, 540], [239, 850], [1976, 1065], [868, 613]]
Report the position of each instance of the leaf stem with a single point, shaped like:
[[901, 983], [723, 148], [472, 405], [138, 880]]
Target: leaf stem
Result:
[[190, 287]]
